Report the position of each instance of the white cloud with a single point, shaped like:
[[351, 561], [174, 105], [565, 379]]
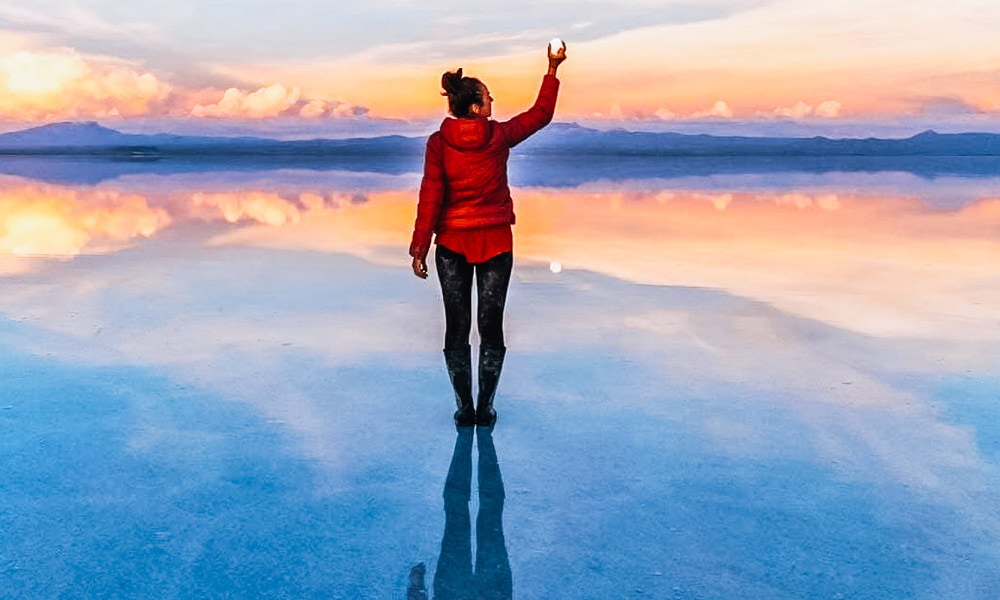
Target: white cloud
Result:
[[828, 109], [795, 112], [274, 101], [665, 114], [269, 101], [719, 110], [263, 207]]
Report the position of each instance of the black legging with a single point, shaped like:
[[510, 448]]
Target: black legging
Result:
[[492, 280]]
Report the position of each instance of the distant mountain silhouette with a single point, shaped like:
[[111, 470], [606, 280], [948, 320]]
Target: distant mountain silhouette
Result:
[[90, 138], [63, 134], [571, 138], [563, 154], [558, 139]]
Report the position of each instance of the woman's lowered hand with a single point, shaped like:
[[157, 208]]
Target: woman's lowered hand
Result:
[[419, 268]]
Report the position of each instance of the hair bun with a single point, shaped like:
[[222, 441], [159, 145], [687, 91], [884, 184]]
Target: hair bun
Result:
[[450, 81]]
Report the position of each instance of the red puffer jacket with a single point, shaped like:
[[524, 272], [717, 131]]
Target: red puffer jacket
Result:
[[465, 170]]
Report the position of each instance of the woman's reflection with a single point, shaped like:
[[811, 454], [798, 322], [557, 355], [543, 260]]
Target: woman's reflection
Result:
[[454, 578]]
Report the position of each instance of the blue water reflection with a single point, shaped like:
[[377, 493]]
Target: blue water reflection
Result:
[[230, 386]]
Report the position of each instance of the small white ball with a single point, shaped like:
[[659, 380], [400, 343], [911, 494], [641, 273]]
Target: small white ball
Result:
[[555, 44], [555, 267]]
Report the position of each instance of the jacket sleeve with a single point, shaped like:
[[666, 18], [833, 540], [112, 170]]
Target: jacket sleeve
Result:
[[431, 198], [539, 115]]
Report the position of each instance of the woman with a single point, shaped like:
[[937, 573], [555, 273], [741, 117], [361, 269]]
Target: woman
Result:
[[465, 201]]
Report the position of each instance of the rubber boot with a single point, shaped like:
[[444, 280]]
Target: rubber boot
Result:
[[490, 365], [459, 363], [417, 589]]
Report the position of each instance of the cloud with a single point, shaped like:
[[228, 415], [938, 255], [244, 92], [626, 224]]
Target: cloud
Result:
[[39, 84], [263, 207], [801, 110], [51, 221], [795, 112], [827, 109], [719, 110], [317, 108], [270, 101], [76, 22], [275, 101], [665, 114], [945, 106], [53, 84]]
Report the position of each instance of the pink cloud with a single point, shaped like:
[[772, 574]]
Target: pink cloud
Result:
[[269, 101], [827, 109], [274, 101]]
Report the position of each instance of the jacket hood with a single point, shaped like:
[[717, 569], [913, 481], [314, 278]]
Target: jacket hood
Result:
[[467, 134]]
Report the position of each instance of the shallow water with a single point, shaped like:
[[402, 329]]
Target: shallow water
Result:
[[229, 384]]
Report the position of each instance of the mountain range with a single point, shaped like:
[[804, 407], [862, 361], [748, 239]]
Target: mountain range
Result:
[[559, 155], [90, 138]]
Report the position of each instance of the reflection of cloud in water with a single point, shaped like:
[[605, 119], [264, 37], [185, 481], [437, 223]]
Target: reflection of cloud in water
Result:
[[835, 254], [44, 220], [262, 207], [842, 258], [53, 221], [767, 366]]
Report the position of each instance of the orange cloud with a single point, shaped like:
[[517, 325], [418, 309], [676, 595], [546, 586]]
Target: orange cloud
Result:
[[37, 220], [59, 84], [52, 84]]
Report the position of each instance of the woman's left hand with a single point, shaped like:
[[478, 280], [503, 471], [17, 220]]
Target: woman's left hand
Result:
[[419, 268]]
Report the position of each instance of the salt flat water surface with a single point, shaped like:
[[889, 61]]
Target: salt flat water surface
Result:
[[741, 385]]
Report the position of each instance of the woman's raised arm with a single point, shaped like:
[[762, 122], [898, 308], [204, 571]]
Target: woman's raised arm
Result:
[[541, 113]]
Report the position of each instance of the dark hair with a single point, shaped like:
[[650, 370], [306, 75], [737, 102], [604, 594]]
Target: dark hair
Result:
[[462, 93]]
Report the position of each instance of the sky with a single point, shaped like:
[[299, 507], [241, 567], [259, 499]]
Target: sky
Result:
[[304, 66]]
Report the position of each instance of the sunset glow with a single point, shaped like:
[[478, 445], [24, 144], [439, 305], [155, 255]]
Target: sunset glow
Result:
[[732, 60], [743, 343]]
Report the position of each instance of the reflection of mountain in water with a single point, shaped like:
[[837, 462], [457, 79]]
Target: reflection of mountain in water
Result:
[[563, 154]]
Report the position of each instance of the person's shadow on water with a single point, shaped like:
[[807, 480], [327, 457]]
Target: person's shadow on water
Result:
[[454, 578]]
